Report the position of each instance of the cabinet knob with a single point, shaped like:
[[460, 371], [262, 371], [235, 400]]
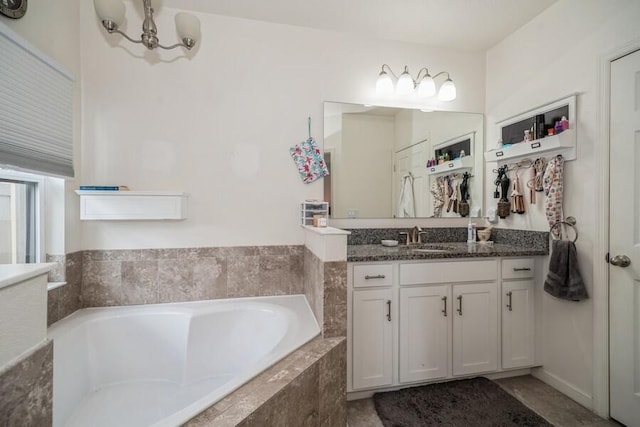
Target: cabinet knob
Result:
[[459, 298], [377, 276], [389, 310], [444, 306], [509, 302]]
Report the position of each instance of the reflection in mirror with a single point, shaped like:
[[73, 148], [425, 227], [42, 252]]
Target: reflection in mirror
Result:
[[378, 162]]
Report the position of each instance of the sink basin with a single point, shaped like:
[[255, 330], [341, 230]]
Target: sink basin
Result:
[[424, 250]]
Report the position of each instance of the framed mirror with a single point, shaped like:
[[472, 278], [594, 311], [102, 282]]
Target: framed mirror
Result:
[[378, 157]]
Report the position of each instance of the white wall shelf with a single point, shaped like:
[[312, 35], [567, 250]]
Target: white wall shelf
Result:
[[132, 205], [457, 165], [563, 143]]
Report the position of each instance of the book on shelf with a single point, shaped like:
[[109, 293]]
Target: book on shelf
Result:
[[104, 188]]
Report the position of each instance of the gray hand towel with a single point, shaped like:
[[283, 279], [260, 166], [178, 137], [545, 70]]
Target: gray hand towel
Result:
[[564, 280]]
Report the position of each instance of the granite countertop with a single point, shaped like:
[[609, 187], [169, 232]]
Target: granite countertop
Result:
[[359, 253]]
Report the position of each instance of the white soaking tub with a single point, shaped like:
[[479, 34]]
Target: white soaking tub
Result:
[[161, 364]]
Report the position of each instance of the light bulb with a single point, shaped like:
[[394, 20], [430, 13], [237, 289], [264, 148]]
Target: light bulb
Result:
[[447, 91], [384, 84], [110, 10], [187, 26], [427, 87], [405, 83]]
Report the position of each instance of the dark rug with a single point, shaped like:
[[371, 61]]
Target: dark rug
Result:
[[475, 402]]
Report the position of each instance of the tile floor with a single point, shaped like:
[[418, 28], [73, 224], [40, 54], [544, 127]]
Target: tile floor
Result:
[[549, 403]]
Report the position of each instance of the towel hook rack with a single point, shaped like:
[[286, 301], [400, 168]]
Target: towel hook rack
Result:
[[571, 222]]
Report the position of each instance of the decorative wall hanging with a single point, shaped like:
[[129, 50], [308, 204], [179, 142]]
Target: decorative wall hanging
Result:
[[309, 159]]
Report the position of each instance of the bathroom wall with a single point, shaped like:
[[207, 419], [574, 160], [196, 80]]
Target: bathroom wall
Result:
[[218, 123], [553, 56], [54, 28]]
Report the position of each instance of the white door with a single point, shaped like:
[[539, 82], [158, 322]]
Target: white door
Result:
[[517, 323], [412, 160], [425, 314], [475, 328], [624, 245], [372, 338]]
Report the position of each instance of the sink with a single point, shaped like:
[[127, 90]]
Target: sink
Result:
[[425, 250]]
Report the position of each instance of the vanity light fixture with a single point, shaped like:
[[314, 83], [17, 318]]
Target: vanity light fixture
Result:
[[423, 84], [111, 13]]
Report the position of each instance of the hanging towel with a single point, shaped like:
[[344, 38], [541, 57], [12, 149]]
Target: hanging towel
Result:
[[437, 190], [310, 161], [564, 280], [406, 205], [553, 191]]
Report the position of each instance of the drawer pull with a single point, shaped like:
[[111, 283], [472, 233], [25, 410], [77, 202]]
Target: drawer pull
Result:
[[377, 276], [389, 310], [509, 303], [516, 269], [459, 304], [444, 306]]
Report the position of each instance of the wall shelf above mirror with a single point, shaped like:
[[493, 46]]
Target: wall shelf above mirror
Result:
[[370, 150]]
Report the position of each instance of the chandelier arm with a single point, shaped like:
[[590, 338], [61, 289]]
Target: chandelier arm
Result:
[[440, 73], [125, 36], [174, 46], [390, 70], [426, 73]]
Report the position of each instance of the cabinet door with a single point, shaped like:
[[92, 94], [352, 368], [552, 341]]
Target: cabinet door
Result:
[[424, 333], [475, 328], [372, 338], [517, 323]]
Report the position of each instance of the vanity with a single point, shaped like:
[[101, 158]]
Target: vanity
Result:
[[439, 311]]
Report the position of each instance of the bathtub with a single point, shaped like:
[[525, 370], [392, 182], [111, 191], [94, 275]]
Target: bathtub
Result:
[[161, 364]]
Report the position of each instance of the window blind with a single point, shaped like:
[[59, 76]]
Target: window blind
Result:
[[36, 109]]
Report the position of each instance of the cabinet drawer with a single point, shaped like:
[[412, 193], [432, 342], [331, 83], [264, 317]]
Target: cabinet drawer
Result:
[[448, 272], [372, 275], [522, 268]]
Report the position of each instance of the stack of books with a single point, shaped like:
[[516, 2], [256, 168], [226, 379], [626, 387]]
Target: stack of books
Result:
[[104, 188]]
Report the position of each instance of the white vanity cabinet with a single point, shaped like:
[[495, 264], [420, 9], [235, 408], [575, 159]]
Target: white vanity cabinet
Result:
[[412, 322], [518, 315], [425, 328], [458, 309], [372, 324], [372, 338], [475, 328]]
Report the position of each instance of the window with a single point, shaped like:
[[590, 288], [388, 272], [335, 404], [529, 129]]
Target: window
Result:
[[21, 228]]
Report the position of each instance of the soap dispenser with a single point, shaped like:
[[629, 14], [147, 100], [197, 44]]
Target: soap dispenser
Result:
[[471, 232]]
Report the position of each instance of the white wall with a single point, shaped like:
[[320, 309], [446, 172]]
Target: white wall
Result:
[[556, 54], [54, 28], [219, 124]]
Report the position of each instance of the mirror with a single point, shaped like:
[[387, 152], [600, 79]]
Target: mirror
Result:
[[378, 156]]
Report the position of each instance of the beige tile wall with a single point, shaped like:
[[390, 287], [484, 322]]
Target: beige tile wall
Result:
[[66, 299], [26, 389], [127, 277], [325, 286], [307, 388]]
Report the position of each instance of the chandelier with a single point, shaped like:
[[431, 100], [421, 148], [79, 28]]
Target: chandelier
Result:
[[424, 85], [111, 13]]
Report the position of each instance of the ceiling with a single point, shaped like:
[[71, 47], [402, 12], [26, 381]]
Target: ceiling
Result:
[[460, 24]]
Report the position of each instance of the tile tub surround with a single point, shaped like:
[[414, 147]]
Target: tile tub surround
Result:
[[538, 240], [307, 388], [26, 389], [66, 299], [150, 276], [325, 286]]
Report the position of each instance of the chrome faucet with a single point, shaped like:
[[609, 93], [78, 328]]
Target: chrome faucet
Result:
[[414, 235]]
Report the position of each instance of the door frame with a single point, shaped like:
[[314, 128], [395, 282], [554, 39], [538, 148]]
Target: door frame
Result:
[[601, 237]]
